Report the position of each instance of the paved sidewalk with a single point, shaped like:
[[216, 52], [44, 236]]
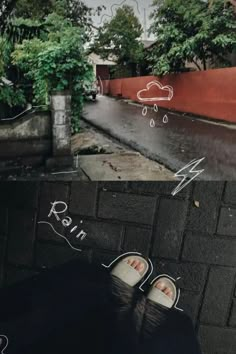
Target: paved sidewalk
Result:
[[174, 144], [103, 159]]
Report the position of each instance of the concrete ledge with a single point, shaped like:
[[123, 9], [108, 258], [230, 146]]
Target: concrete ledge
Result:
[[60, 162], [20, 148], [33, 125]]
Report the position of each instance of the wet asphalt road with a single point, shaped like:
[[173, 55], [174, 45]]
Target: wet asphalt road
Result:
[[174, 144]]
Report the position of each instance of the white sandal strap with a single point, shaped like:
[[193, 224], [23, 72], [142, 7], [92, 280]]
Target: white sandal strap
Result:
[[161, 298], [126, 273]]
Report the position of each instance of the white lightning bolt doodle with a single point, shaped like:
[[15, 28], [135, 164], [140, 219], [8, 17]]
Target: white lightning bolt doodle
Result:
[[193, 165]]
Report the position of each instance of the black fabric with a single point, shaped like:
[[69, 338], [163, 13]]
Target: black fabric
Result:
[[80, 308]]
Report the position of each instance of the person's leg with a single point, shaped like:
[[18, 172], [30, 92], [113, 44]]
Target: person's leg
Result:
[[167, 330], [59, 308], [126, 300], [74, 306]]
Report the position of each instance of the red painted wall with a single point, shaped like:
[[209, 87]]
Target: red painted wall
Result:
[[104, 87], [210, 93]]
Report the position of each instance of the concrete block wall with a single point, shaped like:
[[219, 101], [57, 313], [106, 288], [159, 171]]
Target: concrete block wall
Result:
[[191, 235], [28, 136]]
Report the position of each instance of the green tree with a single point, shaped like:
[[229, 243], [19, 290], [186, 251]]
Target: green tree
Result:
[[119, 39], [55, 63], [197, 33], [74, 10], [33, 9], [6, 9]]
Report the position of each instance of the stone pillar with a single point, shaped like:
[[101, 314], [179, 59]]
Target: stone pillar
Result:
[[61, 131]]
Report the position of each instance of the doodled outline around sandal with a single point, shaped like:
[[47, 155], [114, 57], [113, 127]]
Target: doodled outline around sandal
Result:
[[138, 254], [146, 279], [174, 281], [161, 87], [7, 342]]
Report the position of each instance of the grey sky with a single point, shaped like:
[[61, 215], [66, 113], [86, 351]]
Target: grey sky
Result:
[[140, 6]]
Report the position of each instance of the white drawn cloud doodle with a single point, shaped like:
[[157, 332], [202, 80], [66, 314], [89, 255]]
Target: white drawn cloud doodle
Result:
[[168, 92], [114, 7]]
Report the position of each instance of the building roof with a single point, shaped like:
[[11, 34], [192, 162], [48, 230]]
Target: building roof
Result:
[[96, 59], [148, 43]]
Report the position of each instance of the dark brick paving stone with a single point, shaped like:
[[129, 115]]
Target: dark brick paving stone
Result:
[[126, 207], [48, 256], [170, 228], [3, 221], [15, 275], [112, 186], [21, 236], [24, 194], [137, 240], [2, 251], [193, 276], [216, 340], [2, 259], [158, 188], [227, 222], [232, 321], [6, 193], [218, 294], [83, 198], [190, 303], [127, 212], [19, 194], [204, 218], [102, 257], [49, 193], [209, 250], [100, 235], [230, 193], [45, 231]]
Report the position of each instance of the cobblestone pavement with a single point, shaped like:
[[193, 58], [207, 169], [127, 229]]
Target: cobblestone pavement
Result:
[[191, 235]]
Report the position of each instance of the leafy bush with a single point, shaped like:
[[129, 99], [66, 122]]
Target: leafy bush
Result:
[[11, 96], [56, 63]]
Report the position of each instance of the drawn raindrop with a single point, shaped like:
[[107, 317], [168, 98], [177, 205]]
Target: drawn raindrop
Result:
[[165, 119], [144, 112], [156, 109], [152, 123]]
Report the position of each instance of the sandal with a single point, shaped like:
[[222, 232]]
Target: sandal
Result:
[[127, 273], [158, 296]]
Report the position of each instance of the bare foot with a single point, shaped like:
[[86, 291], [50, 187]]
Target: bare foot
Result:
[[136, 264], [165, 289]]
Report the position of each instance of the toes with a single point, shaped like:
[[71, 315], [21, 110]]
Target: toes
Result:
[[167, 291], [161, 286], [140, 267], [134, 263]]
